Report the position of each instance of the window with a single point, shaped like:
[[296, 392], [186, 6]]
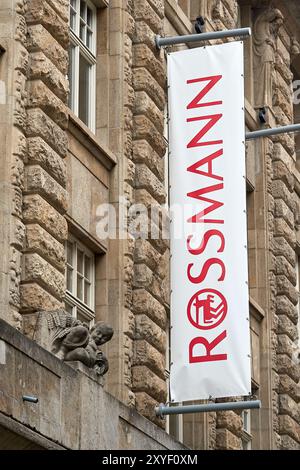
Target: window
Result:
[[246, 433], [82, 61], [80, 276]]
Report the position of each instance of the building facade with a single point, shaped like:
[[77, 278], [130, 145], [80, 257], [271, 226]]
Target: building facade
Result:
[[83, 126]]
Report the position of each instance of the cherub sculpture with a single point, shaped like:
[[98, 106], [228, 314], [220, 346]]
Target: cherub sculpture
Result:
[[72, 340]]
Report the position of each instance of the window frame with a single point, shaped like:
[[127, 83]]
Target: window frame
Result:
[[246, 435], [79, 48], [71, 298]]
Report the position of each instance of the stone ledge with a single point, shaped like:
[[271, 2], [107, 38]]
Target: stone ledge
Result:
[[27, 434], [83, 415], [84, 135]]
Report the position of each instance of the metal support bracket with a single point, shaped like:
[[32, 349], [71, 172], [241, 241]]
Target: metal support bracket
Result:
[[163, 410], [273, 131], [230, 33]]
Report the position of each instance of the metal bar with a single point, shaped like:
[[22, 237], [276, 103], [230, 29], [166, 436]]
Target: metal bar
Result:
[[163, 410], [230, 33], [273, 131], [30, 399]]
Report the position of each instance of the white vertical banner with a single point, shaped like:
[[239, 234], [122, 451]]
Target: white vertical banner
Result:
[[210, 331]]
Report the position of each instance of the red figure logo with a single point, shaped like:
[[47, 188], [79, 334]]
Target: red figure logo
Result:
[[207, 309]]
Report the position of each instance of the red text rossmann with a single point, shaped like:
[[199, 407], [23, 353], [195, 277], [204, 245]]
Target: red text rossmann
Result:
[[209, 113]]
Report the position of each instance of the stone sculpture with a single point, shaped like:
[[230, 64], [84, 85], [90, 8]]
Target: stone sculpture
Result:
[[72, 340], [265, 35]]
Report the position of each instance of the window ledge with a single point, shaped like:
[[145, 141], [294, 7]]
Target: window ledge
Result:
[[101, 3], [178, 18], [85, 136], [256, 310]]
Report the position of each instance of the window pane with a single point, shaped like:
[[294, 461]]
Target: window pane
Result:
[[79, 287], [70, 253], [82, 31], [73, 4], [69, 279], [89, 38], [84, 86], [87, 293], [69, 308], [87, 268], [80, 261], [89, 17], [71, 75], [83, 9], [72, 19]]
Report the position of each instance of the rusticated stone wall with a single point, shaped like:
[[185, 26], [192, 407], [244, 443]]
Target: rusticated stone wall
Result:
[[45, 196], [285, 209], [150, 296]]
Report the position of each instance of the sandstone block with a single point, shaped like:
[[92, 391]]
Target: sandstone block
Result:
[[39, 39], [61, 7], [288, 425], [231, 421], [226, 440], [283, 248], [41, 242], [143, 11], [144, 153], [282, 172], [144, 303], [146, 355], [145, 179], [38, 211], [35, 298], [143, 81], [44, 14], [285, 345], [144, 34], [288, 386], [40, 96], [145, 130], [142, 275], [148, 330], [143, 56], [285, 307], [38, 270], [158, 7], [287, 365], [144, 105], [281, 191], [40, 153], [285, 287], [284, 212], [40, 125], [145, 405], [287, 443], [39, 181], [287, 327], [145, 253], [287, 406], [283, 267], [144, 380]]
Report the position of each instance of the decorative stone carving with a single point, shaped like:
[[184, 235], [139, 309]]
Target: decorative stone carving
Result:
[[72, 340], [266, 28]]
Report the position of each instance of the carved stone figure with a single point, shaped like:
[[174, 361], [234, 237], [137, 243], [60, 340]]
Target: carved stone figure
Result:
[[72, 340], [266, 29]]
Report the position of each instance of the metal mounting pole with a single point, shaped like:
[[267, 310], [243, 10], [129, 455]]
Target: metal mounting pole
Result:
[[163, 410], [273, 131], [230, 33]]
